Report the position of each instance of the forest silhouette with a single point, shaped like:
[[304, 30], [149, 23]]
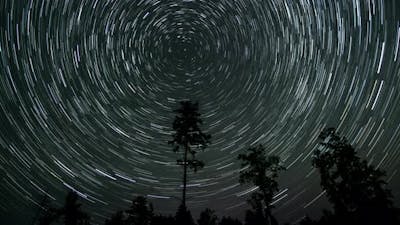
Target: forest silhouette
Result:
[[355, 189]]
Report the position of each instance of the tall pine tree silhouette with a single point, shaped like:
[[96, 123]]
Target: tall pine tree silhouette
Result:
[[189, 137]]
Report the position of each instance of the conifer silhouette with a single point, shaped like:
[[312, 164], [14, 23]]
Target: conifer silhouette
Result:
[[140, 212], [188, 135], [207, 217], [71, 211]]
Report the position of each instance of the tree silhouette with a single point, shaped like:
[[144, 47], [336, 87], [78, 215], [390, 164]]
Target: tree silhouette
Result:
[[187, 135], [183, 216], [355, 188], [50, 215], [229, 221], [163, 220], [261, 171], [254, 217], [71, 211], [116, 219], [47, 214], [140, 212], [207, 217]]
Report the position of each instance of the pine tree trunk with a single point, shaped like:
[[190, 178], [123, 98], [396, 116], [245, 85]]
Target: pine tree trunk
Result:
[[184, 176]]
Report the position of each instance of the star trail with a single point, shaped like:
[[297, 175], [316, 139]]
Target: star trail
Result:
[[88, 89]]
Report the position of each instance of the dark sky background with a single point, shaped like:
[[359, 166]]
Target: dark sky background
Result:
[[87, 90]]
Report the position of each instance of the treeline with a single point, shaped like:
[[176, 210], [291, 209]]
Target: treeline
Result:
[[356, 190]]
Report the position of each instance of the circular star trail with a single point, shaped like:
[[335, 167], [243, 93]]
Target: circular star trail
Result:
[[88, 89]]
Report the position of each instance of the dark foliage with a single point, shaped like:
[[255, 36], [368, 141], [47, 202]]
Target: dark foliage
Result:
[[207, 217], [356, 189], [47, 214], [183, 216], [162, 220], [117, 219], [71, 211], [188, 135], [140, 212], [51, 215], [254, 217], [262, 172], [186, 127], [229, 221]]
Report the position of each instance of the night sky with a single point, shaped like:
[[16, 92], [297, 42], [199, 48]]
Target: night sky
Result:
[[88, 89]]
